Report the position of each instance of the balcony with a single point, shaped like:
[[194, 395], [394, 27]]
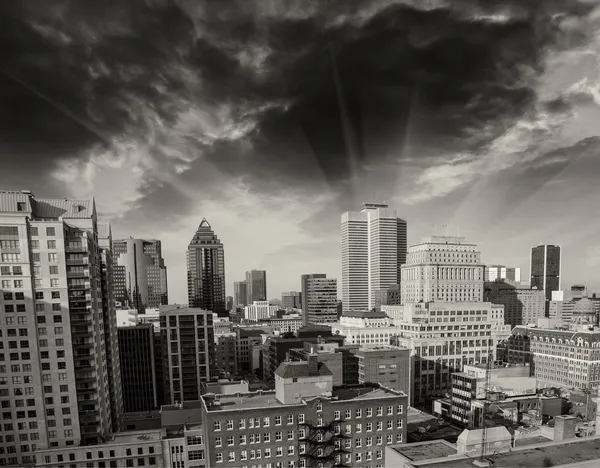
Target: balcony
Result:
[[78, 274], [79, 287], [78, 261], [76, 247], [82, 344]]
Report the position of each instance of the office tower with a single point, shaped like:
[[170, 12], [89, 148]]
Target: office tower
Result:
[[442, 268], [373, 250], [229, 303], [291, 300], [140, 274], [111, 339], [321, 301], [305, 421], [304, 291], [206, 270], [545, 268], [442, 292], [501, 272], [187, 336], [256, 286], [138, 368], [52, 326], [240, 296], [522, 305]]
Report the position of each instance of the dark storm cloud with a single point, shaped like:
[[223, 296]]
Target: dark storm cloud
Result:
[[319, 87]]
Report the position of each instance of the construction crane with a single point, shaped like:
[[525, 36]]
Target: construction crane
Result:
[[483, 461]]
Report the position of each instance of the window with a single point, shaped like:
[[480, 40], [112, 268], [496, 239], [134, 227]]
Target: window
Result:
[[51, 244], [369, 412], [399, 409], [33, 231], [17, 271], [279, 452], [6, 284], [290, 419], [379, 440], [242, 439], [217, 425], [53, 270], [8, 296], [278, 436], [390, 410], [242, 424], [290, 450], [369, 427], [219, 457], [358, 412], [290, 434], [19, 284], [348, 414], [54, 282], [53, 257], [230, 441], [301, 418], [278, 420], [39, 295], [230, 424], [218, 442], [399, 424], [267, 437], [319, 406], [50, 231], [231, 456], [266, 421]]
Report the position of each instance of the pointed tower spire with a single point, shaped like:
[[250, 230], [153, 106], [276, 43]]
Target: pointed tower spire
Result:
[[204, 223]]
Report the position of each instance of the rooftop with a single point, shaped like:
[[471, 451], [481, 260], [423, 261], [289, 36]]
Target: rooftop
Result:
[[263, 399], [426, 450], [378, 349], [290, 369], [137, 436], [365, 314], [192, 404], [558, 453]]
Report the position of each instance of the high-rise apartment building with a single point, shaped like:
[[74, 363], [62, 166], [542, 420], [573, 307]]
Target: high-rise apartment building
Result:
[[373, 250], [138, 368], [291, 300], [187, 337], [240, 295], [442, 268], [111, 338], [206, 270], [55, 388], [502, 272], [545, 268], [320, 301], [256, 286], [140, 274]]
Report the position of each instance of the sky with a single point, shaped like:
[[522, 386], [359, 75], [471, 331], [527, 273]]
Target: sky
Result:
[[272, 117]]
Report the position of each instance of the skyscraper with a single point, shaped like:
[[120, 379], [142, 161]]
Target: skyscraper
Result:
[[239, 294], [187, 336], [111, 337], [53, 326], [320, 300], [256, 286], [304, 291], [545, 268], [140, 274], [206, 270], [138, 367], [373, 250], [442, 268]]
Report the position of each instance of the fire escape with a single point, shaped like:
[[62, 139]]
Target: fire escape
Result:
[[325, 445]]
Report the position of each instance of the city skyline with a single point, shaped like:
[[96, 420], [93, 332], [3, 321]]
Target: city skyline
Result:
[[272, 157]]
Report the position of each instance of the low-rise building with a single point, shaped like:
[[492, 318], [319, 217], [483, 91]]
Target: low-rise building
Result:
[[305, 422], [226, 358], [387, 365]]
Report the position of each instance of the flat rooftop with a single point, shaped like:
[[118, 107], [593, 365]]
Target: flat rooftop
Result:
[[192, 404], [137, 436], [427, 450], [561, 453], [267, 398]]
